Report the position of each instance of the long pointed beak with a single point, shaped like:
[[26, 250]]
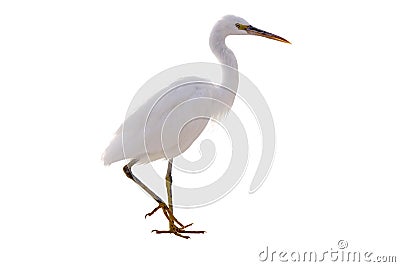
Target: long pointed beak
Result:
[[254, 31]]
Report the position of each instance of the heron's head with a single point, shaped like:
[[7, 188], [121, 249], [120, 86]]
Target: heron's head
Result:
[[232, 25]]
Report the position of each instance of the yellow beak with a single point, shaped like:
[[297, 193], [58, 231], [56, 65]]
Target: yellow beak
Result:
[[254, 31]]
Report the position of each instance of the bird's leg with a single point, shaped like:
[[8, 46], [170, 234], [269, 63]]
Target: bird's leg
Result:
[[129, 174], [172, 227], [168, 183], [161, 204]]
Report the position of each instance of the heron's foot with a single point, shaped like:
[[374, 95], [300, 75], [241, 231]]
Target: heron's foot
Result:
[[178, 229], [173, 229], [168, 214]]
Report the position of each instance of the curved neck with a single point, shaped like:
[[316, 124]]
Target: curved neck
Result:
[[230, 76]]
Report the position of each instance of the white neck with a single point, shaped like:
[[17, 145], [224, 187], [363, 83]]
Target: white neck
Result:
[[230, 76]]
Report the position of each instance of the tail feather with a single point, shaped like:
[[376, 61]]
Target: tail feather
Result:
[[114, 151]]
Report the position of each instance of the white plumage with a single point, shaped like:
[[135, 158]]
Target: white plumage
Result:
[[169, 122], [152, 131], [158, 128]]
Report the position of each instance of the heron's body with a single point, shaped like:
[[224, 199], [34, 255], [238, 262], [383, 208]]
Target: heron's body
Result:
[[169, 122], [150, 133], [139, 137]]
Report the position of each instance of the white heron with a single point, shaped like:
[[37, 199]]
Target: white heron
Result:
[[150, 133]]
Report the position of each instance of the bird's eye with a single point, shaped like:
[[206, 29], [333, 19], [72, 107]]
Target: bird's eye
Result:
[[237, 25]]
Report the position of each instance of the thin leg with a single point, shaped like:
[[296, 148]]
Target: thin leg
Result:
[[161, 203], [168, 183], [167, 210], [129, 174], [172, 228]]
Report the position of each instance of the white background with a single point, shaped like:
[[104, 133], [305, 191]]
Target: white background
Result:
[[69, 70]]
